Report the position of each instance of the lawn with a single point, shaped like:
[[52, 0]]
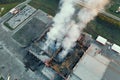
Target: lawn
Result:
[[1, 78], [7, 7], [48, 6], [105, 29], [113, 7]]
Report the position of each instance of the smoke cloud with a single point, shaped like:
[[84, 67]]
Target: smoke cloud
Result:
[[61, 23], [66, 31], [85, 15]]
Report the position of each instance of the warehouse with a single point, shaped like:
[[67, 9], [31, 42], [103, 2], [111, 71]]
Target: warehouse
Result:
[[96, 65]]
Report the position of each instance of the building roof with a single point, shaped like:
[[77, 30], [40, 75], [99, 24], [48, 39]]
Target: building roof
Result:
[[90, 67], [49, 73], [101, 40], [116, 48], [73, 77], [93, 49], [12, 10], [95, 66]]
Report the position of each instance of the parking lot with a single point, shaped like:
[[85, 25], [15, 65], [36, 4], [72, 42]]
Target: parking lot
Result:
[[32, 29], [21, 16]]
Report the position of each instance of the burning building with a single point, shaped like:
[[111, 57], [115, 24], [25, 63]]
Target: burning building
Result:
[[73, 42], [50, 57]]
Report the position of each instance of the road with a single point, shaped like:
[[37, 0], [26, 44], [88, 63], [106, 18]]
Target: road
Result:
[[110, 15], [103, 12]]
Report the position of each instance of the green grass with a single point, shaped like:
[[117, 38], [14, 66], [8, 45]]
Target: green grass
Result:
[[1, 78], [48, 6], [105, 29], [114, 7], [7, 7], [7, 25]]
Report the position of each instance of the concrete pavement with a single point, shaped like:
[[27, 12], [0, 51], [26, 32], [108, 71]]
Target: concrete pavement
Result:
[[14, 68]]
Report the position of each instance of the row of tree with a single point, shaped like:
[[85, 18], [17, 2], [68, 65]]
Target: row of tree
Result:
[[9, 1], [108, 19]]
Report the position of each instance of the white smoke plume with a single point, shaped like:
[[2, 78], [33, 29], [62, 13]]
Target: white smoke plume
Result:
[[85, 15], [60, 25]]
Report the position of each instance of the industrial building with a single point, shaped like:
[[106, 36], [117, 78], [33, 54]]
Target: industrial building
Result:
[[50, 57], [82, 62], [96, 65]]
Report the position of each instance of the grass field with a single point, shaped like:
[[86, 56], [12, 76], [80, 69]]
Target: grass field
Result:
[[113, 8], [7, 7], [1, 78], [48, 6], [105, 29], [114, 4]]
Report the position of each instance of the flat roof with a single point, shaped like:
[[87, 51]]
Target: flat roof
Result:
[[90, 67], [12, 10], [48, 72], [116, 48], [93, 49], [95, 66], [73, 77], [101, 40]]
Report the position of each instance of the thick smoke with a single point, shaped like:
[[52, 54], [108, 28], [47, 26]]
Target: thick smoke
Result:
[[66, 31], [85, 15], [61, 23]]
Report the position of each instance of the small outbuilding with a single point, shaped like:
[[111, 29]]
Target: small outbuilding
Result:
[[101, 40], [14, 11], [116, 48]]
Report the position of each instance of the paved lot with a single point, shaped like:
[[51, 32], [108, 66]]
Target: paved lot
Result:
[[29, 32], [11, 66], [12, 54], [21, 16], [32, 29], [15, 53]]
